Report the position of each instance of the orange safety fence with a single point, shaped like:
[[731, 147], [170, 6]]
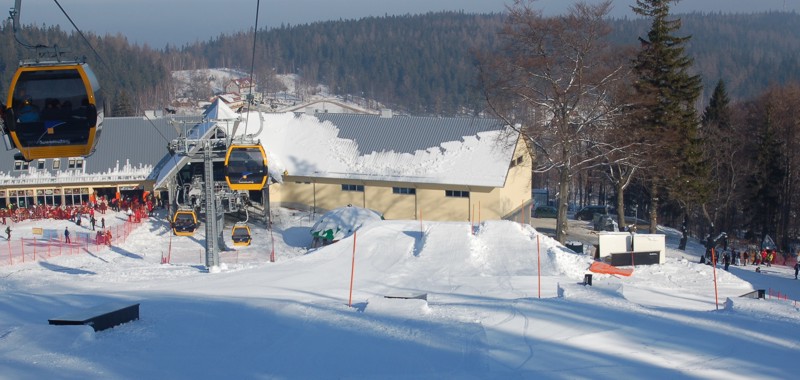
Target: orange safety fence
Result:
[[777, 294], [21, 250]]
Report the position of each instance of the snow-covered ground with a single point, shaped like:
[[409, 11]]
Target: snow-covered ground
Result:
[[483, 316]]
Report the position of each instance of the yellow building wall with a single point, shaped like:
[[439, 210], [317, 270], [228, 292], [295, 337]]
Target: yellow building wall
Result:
[[392, 206], [434, 205], [512, 201]]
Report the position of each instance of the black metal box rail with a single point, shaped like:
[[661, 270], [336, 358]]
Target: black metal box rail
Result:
[[639, 258], [100, 317]]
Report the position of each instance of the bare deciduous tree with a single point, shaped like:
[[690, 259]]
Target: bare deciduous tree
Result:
[[554, 82]]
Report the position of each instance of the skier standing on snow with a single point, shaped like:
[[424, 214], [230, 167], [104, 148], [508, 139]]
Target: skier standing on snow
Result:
[[796, 269], [8, 237], [726, 259], [66, 235]]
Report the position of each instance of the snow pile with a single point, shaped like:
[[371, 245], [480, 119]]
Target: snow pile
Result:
[[340, 223]]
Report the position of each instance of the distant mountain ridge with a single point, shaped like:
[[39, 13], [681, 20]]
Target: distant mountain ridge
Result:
[[424, 63]]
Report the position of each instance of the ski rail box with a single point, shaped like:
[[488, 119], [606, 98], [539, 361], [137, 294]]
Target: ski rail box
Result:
[[100, 317]]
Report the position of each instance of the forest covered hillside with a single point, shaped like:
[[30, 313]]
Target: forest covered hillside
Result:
[[422, 64]]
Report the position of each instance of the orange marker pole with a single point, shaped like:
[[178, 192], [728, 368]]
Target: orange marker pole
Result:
[[352, 271], [714, 265]]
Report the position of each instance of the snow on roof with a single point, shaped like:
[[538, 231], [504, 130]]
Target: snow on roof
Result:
[[219, 111], [303, 146]]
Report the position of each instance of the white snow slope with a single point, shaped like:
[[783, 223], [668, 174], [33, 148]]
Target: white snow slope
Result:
[[483, 316]]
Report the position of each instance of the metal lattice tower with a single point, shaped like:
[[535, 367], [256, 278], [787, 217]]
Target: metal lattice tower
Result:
[[212, 230]]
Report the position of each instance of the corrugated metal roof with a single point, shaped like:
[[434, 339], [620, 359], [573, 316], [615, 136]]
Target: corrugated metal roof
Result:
[[405, 134], [135, 140], [140, 142]]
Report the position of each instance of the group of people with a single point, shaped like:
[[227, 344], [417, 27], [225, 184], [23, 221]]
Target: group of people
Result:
[[18, 214], [753, 257], [732, 256], [102, 237], [55, 109]]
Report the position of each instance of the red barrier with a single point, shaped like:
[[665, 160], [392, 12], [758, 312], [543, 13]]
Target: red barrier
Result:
[[780, 296], [38, 249]]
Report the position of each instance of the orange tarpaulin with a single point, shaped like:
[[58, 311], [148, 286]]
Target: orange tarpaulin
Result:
[[598, 267]]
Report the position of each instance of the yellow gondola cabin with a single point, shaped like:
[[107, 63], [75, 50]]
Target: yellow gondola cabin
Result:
[[184, 223], [240, 234], [246, 167], [54, 110]]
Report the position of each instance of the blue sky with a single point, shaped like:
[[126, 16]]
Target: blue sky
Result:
[[177, 22]]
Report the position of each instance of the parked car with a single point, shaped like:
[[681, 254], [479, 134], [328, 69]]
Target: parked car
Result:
[[587, 213], [545, 212]]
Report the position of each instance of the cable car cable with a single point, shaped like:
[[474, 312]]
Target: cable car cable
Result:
[[252, 68], [80, 32]]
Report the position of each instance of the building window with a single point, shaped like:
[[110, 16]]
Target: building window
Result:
[[56, 164], [359, 188], [456, 193], [21, 165], [404, 190], [40, 164], [76, 163], [515, 162]]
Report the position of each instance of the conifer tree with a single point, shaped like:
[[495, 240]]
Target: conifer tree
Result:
[[669, 92], [122, 105], [723, 148], [764, 185]]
